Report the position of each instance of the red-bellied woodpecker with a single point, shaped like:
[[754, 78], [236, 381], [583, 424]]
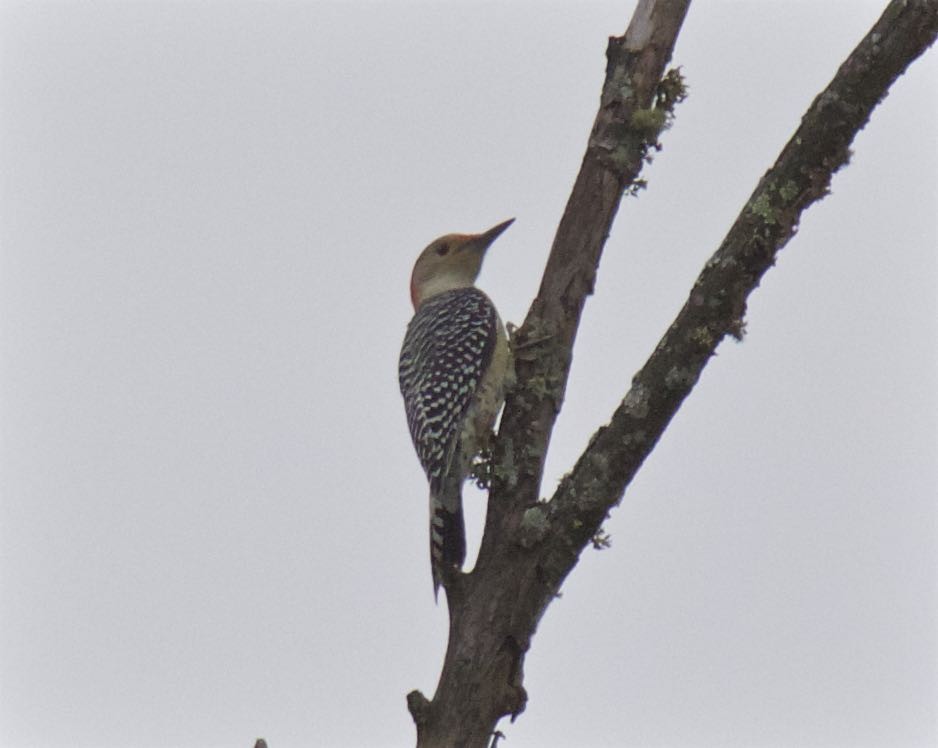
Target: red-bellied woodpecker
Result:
[[452, 370]]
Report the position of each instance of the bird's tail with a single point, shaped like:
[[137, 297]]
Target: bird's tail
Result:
[[447, 535]]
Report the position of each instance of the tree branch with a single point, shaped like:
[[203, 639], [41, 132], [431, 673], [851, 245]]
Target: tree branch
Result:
[[717, 303], [529, 546], [627, 125], [493, 611]]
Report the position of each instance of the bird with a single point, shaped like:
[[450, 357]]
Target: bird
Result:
[[454, 370]]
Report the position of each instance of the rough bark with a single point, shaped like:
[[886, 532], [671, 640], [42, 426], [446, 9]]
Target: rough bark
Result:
[[529, 546]]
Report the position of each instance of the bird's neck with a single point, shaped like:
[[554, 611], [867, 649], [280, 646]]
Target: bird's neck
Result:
[[420, 292]]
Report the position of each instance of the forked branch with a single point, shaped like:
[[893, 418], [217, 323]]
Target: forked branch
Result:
[[716, 306], [530, 546]]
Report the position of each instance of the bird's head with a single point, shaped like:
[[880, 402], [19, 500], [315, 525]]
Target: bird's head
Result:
[[452, 261]]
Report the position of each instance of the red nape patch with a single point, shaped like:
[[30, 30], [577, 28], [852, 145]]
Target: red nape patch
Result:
[[413, 291]]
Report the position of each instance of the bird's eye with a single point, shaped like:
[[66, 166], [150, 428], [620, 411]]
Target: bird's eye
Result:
[[442, 250]]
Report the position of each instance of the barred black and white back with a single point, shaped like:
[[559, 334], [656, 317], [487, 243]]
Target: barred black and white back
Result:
[[447, 352]]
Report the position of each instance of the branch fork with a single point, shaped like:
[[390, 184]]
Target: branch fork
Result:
[[529, 546]]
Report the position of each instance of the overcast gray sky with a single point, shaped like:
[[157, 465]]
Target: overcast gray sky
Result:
[[213, 524]]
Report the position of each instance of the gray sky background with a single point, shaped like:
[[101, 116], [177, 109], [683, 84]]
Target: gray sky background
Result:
[[213, 524]]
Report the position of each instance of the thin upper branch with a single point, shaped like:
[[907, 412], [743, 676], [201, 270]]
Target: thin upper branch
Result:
[[626, 126], [717, 303]]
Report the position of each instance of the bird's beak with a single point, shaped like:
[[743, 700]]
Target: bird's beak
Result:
[[484, 240]]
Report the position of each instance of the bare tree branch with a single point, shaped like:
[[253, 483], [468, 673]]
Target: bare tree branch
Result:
[[626, 126], [529, 546], [717, 304], [492, 611]]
